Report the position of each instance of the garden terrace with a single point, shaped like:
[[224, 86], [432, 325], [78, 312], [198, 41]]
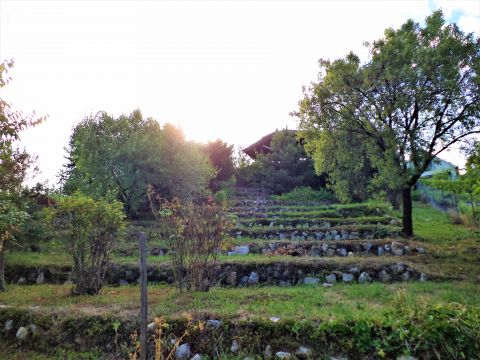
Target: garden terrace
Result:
[[345, 232], [316, 222], [328, 321], [378, 247], [283, 271]]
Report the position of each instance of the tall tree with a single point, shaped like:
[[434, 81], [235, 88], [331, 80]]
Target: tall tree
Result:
[[221, 156], [415, 97], [119, 158], [14, 163], [287, 165]]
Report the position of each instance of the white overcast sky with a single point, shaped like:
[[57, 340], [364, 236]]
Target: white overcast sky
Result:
[[229, 70]]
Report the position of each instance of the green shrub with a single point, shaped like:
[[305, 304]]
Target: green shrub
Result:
[[88, 229], [305, 193], [220, 197]]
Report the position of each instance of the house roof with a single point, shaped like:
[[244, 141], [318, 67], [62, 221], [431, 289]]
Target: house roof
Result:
[[262, 146]]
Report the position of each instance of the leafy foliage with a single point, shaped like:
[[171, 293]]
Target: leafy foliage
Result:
[[89, 229], [221, 156], [118, 159], [416, 96], [306, 194], [287, 166], [14, 163], [195, 233]]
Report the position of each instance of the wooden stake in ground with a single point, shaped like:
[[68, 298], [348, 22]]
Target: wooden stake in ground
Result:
[[142, 247]]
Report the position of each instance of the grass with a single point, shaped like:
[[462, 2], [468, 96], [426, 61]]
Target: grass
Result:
[[342, 301]]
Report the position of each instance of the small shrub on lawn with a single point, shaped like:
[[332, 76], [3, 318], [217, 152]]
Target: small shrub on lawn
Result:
[[195, 233], [88, 229], [306, 193]]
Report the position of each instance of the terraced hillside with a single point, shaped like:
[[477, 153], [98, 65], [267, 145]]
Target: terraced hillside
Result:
[[296, 280], [325, 243]]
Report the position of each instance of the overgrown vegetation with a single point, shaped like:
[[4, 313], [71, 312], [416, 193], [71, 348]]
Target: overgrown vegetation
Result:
[[195, 233], [89, 229], [306, 194]]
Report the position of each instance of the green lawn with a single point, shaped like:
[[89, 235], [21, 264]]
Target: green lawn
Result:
[[298, 302]]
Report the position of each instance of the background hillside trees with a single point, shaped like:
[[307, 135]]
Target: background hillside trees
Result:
[[117, 158], [417, 95], [221, 156]]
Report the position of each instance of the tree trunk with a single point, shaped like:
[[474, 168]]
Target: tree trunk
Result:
[[407, 220], [2, 271]]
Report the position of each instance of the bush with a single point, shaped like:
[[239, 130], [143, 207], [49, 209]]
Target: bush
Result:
[[306, 193], [195, 233], [89, 229]]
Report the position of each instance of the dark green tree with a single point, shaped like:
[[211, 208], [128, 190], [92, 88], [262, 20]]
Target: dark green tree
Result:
[[118, 158], [286, 167], [415, 97], [221, 156]]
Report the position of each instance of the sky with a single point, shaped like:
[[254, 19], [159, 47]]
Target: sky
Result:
[[218, 69]]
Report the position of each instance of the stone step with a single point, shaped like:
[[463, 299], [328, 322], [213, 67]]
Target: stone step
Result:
[[377, 247], [300, 223], [346, 232], [240, 273], [315, 213]]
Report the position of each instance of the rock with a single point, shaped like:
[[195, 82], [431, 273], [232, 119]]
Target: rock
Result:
[[123, 282], [331, 279], [420, 250], [196, 357], [152, 327], [387, 247], [405, 276], [353, 236], [364, 277], [394, 222], [303, 352], [397, 248], [241, 250], [267, 353], [274, 319], [354, 270], [384, 277], [347, 278], [22, 333], [398, 268], [337, 237], [342, 252], [244, 280], [8, 325], [330, 252], [423, 277], [40, 278], [21, 280], [235, 347], [183, 352], [380, 251], [33, 329], [311, 280], [253, 278], [231, 278], [214, 323], [350, 253], [327, 285], [367, 246], [283, 355]]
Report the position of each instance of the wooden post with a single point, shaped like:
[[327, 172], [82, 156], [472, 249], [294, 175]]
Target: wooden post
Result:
[[142, 247]]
